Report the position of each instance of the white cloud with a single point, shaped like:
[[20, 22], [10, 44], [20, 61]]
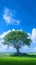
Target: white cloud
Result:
[[1, 40], [33, 35], [29, 35], [8, 17], [2, 35], [5, 48], [13, 29], [2, 47], [26, 47]]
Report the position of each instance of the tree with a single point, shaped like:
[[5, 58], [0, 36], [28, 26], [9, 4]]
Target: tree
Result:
[[17, 39]]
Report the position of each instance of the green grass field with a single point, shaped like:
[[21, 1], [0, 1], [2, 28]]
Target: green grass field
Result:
[[17, 61], [6, 59]]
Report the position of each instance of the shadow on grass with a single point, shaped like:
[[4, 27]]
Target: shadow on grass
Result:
[[22, 55]]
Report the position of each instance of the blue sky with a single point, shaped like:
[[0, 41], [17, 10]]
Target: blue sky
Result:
[[18, 14], [23, 10]]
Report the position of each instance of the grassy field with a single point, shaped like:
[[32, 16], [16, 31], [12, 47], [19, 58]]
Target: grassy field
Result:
[[6, 59], [17, 60]]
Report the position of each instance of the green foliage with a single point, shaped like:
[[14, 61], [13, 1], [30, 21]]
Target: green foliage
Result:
[[17, 39]]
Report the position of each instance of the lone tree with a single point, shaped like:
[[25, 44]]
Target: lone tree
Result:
[[17, 39]]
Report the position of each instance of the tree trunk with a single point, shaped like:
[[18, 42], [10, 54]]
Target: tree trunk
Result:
[[18, 51]]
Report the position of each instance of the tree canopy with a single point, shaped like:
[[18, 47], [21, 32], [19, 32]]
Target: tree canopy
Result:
[[17, 39]]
